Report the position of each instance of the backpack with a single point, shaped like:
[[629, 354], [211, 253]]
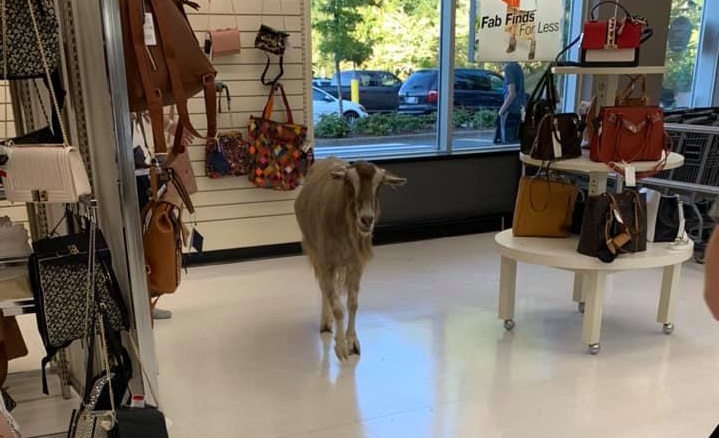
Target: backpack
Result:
[[165, 65]]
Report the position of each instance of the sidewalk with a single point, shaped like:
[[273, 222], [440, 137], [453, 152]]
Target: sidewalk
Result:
[[419, 138]]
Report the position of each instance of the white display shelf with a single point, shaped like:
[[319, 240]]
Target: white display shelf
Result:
[[605, 71], [584, 164], [590, 276]]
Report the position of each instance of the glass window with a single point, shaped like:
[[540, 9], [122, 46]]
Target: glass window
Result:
[[681, 57]]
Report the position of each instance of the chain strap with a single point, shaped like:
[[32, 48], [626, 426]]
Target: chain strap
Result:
[[234, 14], [47, 72]]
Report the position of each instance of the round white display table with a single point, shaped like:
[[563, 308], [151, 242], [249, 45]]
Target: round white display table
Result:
[[598, 172], [590, 275]]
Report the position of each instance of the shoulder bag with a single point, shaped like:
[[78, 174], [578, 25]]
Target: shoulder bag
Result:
[[42, 172], [165, 64], [280, 155], [227, 153], [22, 48], [665, 216], [222, 42], [164, 234]]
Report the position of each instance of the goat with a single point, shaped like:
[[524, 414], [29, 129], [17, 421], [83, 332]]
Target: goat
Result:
[[336, 211]]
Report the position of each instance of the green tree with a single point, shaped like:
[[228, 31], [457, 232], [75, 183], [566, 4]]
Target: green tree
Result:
[[680, 65], [336, 23]]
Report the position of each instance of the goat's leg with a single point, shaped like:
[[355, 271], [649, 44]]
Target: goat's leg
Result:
[[353, 284], [328, 284], [326, 322]]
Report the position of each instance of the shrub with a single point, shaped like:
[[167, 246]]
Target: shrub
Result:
[[484, 119], [332, 126]]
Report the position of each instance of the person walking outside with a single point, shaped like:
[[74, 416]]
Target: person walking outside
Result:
[[510, 113]]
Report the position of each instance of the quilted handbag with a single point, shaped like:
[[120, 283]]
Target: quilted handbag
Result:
[[280, 155], [614, 223], [23, 58], [228, 153], [59, 277], [614, 42]]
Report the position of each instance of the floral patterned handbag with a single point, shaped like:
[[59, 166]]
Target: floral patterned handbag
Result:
[[280, 154], [228, 153]]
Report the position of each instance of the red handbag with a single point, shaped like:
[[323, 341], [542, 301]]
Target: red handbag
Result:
[[630, 133], [614, 42]]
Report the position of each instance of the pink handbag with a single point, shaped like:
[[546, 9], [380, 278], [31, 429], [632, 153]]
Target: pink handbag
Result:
[[222, 42]]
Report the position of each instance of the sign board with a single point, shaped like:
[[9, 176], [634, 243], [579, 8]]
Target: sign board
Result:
[[518, 30]]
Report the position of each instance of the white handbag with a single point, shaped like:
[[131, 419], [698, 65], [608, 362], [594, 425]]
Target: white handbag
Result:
[[44, 172]]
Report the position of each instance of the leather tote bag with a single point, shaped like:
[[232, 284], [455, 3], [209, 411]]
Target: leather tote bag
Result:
[[165, 64], [544, 207], [614, 223], [630, 133], [44, 173], [280, 154]]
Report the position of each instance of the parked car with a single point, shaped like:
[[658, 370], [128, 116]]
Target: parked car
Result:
[[323, 103], [377, 89], [473, 89]]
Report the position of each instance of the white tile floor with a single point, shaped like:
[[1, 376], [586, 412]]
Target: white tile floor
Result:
[[242, 356]]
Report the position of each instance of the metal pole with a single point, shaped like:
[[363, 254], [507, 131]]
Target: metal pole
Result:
[[445, 105], [472, 30], [112, 31]]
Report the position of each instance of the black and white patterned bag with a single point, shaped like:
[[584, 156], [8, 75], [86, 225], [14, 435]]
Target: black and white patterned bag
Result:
[[24, 60], [59, 279]]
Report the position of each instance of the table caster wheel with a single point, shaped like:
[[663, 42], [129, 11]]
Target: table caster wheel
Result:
[[668, 328], [508, 324], [594, 348], [580, 307]]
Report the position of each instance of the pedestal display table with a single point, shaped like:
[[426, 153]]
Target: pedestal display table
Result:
[[589, 276]]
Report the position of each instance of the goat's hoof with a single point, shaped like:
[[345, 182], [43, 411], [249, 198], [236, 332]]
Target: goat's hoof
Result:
[[324, 328], [341, 350], [353, 344]]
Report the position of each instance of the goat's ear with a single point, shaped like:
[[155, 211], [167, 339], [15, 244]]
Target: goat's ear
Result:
[[393, 180], [339, 173]]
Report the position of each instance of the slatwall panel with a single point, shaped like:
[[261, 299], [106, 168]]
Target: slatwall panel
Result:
[[16, 212], [231, 213]]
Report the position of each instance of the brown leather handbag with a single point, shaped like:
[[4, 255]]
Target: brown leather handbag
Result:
[[628, 134], [164, 234], [544, 207], [614, 223], [559, 137], [164, 64]]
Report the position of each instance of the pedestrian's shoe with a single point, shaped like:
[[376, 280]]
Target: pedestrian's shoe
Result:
[[532, 49], [161, 314]]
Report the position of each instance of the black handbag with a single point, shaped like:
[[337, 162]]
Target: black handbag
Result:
[[58, 270], [614, 223], [24, 60], [665, 216], [542, 102], [146, 422]]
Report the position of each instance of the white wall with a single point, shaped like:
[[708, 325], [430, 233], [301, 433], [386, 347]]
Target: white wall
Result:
[[231, 213]]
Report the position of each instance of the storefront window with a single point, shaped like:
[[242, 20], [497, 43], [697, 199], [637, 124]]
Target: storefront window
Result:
[[682, 50], [390, 50]]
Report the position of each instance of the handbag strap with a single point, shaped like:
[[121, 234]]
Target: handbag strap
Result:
[[616, 4], [267, 112], [631, 86], [209, 13], [43, 56]]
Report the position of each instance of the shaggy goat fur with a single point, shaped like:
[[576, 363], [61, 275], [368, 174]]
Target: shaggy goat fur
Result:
[[336, 211]]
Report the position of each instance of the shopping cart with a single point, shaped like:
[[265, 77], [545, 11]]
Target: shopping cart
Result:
[[697, 182]]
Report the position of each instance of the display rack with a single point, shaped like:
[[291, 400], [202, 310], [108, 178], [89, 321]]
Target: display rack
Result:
[[590, 274]]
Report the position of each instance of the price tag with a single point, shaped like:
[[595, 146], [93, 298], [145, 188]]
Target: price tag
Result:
[[556, 141], [149, 30], [630, 174]]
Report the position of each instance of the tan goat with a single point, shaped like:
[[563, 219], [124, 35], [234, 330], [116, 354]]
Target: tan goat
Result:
[[336, 211]]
